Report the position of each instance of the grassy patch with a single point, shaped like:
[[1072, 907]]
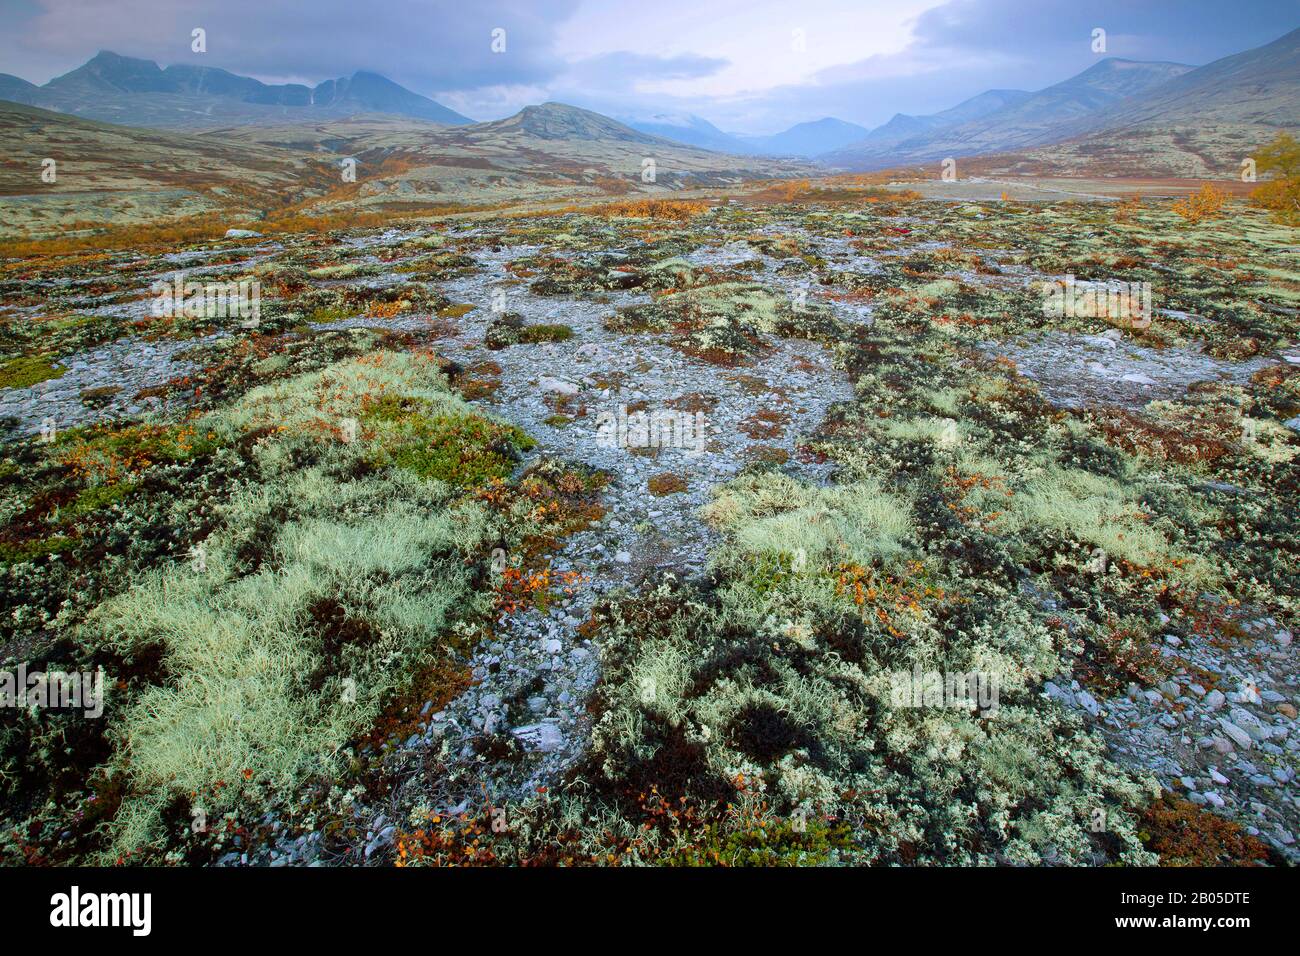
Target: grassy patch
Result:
[[26, 371]]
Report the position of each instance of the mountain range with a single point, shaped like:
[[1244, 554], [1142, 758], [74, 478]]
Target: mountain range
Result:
[[1001, 120], [113, 174], [135, 92], [1181, 120], [135, 142], [1249, 92], [803, 140]]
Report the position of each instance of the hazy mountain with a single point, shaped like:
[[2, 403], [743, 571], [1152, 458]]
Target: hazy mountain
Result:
[[1202, 123], [690, 130], [1020, 121], [16, 89], [802, 140], [1257, 86], [138, 92], [559, 121], [903, 127], [810, 139]]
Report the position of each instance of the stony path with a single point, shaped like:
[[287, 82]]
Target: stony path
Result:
[[533, 679], [1221, 730], [1078, 370]]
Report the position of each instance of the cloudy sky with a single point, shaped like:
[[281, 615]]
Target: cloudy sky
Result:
[[750, 66]]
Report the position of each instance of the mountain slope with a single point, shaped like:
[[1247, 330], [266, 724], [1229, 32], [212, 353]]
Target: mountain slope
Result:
[[1257, 86], [1042, 117], [558, 121], [812, 138], [1201, 124], [371, 93], [904, 127], [16, 89], [115, 174], [690, 130], [137, 92]]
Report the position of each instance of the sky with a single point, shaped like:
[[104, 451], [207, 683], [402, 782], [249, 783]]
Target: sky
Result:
[[748, 66]]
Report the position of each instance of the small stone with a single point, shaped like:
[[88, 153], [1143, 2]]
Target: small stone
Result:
[[1250, 723], [1239, 736], [559, 386], [545, 737], [1215, 699], [623, 557]]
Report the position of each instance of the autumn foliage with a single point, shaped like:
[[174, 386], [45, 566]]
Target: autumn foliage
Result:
[[1282, 193], [1207, 203]]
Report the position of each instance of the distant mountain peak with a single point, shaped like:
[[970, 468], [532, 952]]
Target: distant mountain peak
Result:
[[562, 121], [1002, 120], [116, 88]]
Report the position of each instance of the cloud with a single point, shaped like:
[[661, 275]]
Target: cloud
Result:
[[623, 70], [1194, 31], [431, 46], [962, 47], [731, 61]]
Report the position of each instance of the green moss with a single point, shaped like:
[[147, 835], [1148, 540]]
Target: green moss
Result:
[[467, 451], [25, 551], [754, 840], [332, 314], [29, 370], [531, 334], [96, 497]]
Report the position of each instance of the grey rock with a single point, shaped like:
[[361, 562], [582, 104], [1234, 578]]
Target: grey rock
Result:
[[1237, 735]]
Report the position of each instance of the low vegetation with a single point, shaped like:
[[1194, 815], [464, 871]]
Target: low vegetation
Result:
[[296, 552]]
